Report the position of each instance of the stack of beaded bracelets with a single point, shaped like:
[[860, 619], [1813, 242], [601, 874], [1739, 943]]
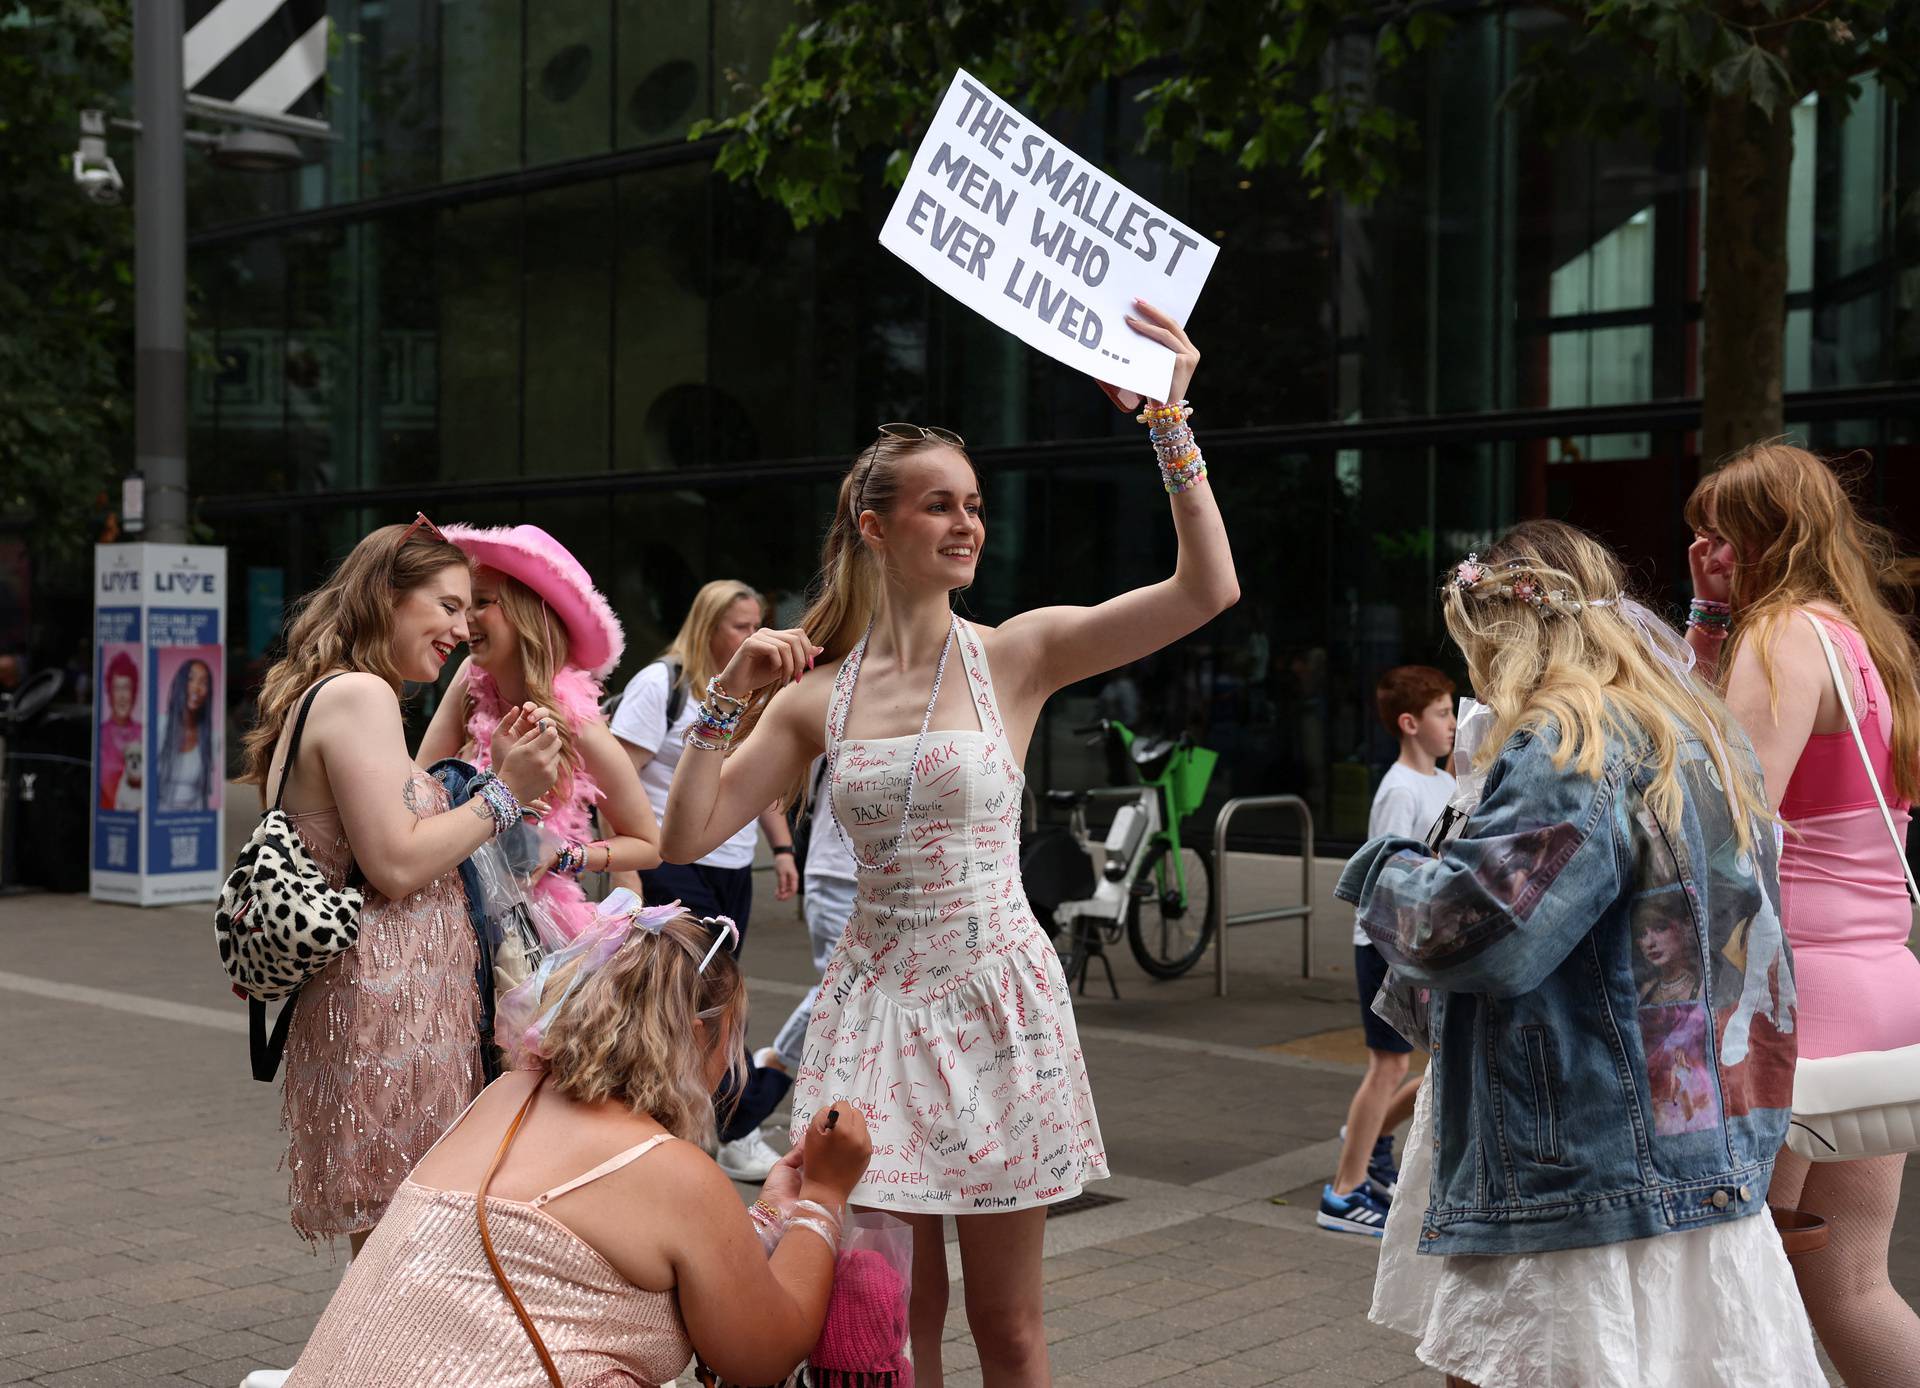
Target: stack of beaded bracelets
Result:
[[1181, 466], [572, 857], [810, 1215], [719, 716], [1713, 618], [492, 792]]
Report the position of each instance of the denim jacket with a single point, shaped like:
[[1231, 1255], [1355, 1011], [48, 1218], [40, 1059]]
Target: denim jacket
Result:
[[1613, 1006]]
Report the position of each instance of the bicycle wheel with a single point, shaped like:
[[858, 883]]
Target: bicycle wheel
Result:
[[1168, 931]]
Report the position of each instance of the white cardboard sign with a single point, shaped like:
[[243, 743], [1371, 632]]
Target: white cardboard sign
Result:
[[1038, 240]]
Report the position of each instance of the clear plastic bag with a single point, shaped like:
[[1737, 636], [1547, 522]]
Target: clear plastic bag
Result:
[[519, 925], [865, 1342]]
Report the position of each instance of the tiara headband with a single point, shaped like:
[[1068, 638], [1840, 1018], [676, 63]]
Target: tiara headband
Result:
[[1521, 586]]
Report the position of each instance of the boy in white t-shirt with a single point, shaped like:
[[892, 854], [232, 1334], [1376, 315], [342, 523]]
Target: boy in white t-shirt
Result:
[[1416, 704]]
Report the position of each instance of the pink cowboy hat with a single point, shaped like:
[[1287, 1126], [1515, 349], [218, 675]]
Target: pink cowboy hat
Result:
[[526, 552]]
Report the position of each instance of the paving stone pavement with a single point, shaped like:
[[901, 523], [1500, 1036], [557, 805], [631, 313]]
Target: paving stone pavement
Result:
[[143, 1229]]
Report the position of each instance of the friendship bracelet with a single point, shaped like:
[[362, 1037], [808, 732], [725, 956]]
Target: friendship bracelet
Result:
[[1712, 605], [572, 859], [717, 695], [694, 740], [499, 799]]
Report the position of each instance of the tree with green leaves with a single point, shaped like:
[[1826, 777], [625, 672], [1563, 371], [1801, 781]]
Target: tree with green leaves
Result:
[[1310, 84], [66, 277]]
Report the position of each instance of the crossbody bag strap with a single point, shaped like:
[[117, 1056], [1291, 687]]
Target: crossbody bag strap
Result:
[[1853, 724], [299, 727], [265, 1047], [486, 1240]]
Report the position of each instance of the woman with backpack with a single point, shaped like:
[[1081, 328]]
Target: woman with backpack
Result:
[[383, 1050], [660, 703], [542, 633]]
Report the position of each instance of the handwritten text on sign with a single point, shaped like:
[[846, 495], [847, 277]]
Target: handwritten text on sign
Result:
[[1025, 232]]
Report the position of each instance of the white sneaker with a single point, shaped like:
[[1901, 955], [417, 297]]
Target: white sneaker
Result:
[[266, 1378], [747, 1158], [767, 1058]]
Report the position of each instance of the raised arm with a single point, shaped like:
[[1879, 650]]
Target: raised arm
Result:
[[634, 842], [1049, 648], [356, 732], [1779, 718], [714, 795], [447, 733]]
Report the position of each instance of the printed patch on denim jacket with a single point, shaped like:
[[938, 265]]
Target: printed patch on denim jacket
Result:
[[1738, 976], [1510, 874]]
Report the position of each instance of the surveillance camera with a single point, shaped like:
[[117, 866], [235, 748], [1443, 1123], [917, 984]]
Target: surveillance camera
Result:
[[93, 169], [101, 183]]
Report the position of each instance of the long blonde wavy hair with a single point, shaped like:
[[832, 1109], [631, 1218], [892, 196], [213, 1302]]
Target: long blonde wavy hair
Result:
[[1798, 540], [846, 591], [542, 640], [626, 1032], [346, 623], [1575, 659], [692, 646]]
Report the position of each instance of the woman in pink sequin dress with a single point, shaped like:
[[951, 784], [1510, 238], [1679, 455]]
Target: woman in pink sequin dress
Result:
[[944, 1015], [542, 633], [384, 1049]]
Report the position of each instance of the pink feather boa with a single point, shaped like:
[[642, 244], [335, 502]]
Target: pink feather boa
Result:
[[578, 693]]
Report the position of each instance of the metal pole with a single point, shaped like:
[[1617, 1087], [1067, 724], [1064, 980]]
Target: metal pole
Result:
[[160, 268]]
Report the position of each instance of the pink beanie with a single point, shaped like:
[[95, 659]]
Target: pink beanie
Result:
[[864, 1339]]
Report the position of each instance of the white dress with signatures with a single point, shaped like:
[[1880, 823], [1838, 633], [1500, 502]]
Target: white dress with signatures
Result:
[[944, 1015]]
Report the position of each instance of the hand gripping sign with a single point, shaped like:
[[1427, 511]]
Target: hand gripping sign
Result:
[[1040, 241]]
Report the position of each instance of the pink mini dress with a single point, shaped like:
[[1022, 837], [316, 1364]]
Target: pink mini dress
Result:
[[1843, 897]]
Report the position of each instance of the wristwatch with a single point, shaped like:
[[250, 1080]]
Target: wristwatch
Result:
[[785, 848]]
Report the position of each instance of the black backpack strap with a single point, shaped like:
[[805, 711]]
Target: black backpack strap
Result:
[[299, 726], [267, 1049], [676, 697]]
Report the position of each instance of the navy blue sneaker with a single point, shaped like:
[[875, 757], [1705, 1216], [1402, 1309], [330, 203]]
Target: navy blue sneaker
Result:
[[1360, 1212], [1383, 1172]]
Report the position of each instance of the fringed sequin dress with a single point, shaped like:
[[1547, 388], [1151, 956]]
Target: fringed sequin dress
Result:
[[384, 1050]]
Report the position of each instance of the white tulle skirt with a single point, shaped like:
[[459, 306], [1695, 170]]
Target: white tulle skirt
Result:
[[1710, 1308]]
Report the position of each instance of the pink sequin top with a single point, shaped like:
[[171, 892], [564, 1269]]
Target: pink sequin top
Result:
[[1843, 898], [420, 1306]]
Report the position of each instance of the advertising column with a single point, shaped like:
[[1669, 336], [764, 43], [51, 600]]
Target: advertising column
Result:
[[160, 747]]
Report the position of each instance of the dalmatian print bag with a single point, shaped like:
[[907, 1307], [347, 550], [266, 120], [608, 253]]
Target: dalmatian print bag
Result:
[[278, 921]]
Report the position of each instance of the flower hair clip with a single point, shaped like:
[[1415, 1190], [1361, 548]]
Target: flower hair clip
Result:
[[1468, 572], [1521, 586]]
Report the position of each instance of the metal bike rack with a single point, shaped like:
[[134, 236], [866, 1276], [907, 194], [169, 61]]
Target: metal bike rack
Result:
[[1223, 915]]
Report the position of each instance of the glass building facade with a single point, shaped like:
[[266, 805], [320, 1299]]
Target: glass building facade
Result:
[[513, 290]]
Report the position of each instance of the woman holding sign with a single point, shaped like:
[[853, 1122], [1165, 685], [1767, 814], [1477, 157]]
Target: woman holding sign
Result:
[[944, 1015]]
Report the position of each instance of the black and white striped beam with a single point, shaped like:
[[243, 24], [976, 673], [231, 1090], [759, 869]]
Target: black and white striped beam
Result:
[[260, 57]]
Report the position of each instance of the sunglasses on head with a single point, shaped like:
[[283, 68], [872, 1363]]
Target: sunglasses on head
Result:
[[911, 433], [419, 520], [914, 432]]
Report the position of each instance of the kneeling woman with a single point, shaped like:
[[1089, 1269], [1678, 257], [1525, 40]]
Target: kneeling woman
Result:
[[586, 1177]]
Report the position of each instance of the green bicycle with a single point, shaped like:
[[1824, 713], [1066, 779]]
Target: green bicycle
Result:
[[1149, 883]]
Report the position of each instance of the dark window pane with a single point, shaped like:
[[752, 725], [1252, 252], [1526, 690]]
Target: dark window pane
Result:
[[569, 316], [570, 77], [480, 63], [478, 264]]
